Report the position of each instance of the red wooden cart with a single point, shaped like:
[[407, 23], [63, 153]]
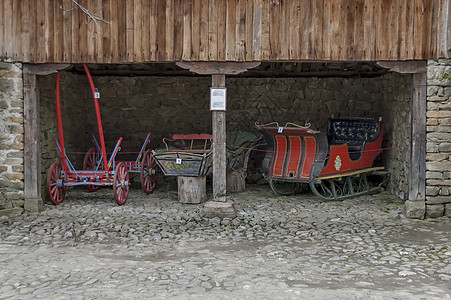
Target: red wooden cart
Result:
[[63, 175], [147, 167]]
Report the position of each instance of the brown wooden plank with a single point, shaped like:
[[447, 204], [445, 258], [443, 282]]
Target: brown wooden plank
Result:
[[295, 9], [67, 33], [240, 30], [327, 30], [32, 39], [317, 13], [265, 31], [383, 36], [336, 31], [121, 14], [49, 25], [427, 28], [448, 31], [367, 33], [17, 40], [417, 28], [249, 42], [358, 30], [130, 30], [195, 29], [393, 30], [410, 11], [153, 30], [74, 32], [212, 29], [432, 51], [169, 28], [58, 31], [106, 31], [376, 30], [349, 10], [274, 38], [203, 42], [99, 32], [187, 33], [443, 42], [310, 30], [417, 174], [145, 30], [221, 37], [402, 27], [25, 22], [91, 33], [137, 30], [231, 32], [257, 30], [178, 30], [83, 32]]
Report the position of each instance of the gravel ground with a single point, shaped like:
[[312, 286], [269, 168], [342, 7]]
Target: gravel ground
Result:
[[276, 248]]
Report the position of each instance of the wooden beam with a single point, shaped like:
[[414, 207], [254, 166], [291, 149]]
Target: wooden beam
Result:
[[415, 67], [219, 146], [417, 180], [43, 69], [32, 146], [217, 68]]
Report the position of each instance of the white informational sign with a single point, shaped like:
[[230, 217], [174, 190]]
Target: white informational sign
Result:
[[218, 98]]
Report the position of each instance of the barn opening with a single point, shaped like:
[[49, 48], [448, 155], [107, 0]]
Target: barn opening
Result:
[[165, 99]]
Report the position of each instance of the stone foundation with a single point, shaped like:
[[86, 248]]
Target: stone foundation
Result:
[[11, 139], [131, 106], [438, 157]]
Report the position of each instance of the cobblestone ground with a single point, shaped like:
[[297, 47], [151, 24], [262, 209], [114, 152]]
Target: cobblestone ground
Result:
[[276, 248]]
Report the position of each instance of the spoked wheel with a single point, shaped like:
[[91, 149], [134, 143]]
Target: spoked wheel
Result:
[[283, 188], [121, 183], [92, 157], [55, 184], [149, 172]]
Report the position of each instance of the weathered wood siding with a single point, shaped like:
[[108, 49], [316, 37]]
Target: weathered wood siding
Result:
[[224, 30]]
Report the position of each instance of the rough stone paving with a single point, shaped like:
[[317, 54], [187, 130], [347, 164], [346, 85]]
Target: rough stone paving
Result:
[[276, 248]]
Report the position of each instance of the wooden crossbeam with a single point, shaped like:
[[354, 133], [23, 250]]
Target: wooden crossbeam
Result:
[[217, 68]]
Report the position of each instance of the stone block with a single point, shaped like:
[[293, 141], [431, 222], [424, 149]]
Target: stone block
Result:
[[435, 211], [432, 190], [440, 166], [414, 209], [213, 209], [437, 99], [438, 182], [34, 205], [432, 122], [446, 121], [438, 200], [444, 147], [11, 212], [448, 210]]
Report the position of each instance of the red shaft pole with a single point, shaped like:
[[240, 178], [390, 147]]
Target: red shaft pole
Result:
[[99, 120]]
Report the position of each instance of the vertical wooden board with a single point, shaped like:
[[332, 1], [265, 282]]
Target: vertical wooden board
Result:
[[402, 29], [145, 31], [67, 33], [284, 31], [130, 29], [384, 36], [91, 33], [32, 41], [99, 31], [240, 30], [336, 31], [187, 32], [212, 30], [25, 21], [75, 34], [393, 30], [367, 33], [434, 27], [49, 25], [304, 29], [410, 11], [121, 30], [349, 44], [169, 28], [448, 31], [195, 30], [153, 42], [418, 10], [358, 30], [249, 42], [327, 29], [203, 42], [17, 40], [106, 31], [427, 29], [222, 22], [83, 32], [137, 30], [274, 21], [2, 28], [265, 31], [295, 10], [178, 30], [317, 13], [230, 30], [376, 30], [58, 42]]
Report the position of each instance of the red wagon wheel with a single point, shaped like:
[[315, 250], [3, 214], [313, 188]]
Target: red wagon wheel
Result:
[[121, 184], [55, 184], [90, 162], [149, 173]]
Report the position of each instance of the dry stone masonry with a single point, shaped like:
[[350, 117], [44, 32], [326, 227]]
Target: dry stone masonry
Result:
[[438, 157], [11, 139]]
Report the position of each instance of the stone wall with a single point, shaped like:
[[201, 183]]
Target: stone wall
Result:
[[11, 139], [438, 157], [131, 106]]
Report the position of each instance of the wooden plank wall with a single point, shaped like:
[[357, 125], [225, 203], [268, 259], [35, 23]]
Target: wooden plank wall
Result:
[[224, 30]]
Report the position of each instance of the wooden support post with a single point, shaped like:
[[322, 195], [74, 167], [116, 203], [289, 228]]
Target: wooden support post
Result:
[[32, 147], [417, 180], [219, 146]]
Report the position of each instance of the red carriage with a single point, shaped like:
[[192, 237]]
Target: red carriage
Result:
[[336, 165], [104, 172]]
